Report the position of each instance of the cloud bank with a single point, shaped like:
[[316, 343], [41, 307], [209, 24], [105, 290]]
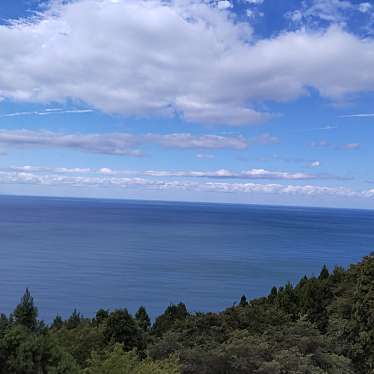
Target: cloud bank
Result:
[[184, 58], [119, 143], [13, 177]]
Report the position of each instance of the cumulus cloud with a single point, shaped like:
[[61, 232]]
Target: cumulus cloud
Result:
[[184, 57], [119, 143]]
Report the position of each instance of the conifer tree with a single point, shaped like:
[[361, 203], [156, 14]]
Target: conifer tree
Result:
[[362, 331], [143, 319], [324, 273], [243, 301], [101, 316], [57, 323], [26, 312]]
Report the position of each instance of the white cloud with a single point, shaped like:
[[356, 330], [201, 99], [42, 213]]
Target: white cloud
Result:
[[255, 2], [206, 156], [119, 143], [183, 57], [265, 139], [326, 144], [106, 171], [332, 11], [224, 4], [315, 164], [365, 7], [359, 115], [352, 146], [43, 169], [48, 112], [267, 174], [7, 177], [220, 173], [246, 174], [321, 144]]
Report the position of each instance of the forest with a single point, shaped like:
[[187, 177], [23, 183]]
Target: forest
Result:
[[322, 325]]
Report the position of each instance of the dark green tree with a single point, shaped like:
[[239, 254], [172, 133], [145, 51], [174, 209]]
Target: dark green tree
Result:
[[243, 301], [315, 296], [172, 314], [74, 320], [362, 325], [26, 312], [273, 294], [120, 327], [57, 323], [143, 319], [324, 274], [287, 300], [101, 316], [23, 351]]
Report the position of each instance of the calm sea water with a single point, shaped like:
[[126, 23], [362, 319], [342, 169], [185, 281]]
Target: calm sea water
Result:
[[91, 254]]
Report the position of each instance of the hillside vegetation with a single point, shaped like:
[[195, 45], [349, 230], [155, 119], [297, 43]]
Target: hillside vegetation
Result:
[[322, 325]]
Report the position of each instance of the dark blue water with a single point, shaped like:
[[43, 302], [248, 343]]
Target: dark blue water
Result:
[[91, 254]]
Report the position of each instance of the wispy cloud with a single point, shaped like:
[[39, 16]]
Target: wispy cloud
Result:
[[48, 112], [322, 128], [352, 146], [359, 115], [205, 156], [119, 143], [321, 144], [265, 139], [327, 144]]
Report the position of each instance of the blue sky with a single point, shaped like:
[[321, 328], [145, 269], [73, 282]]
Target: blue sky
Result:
[[243, 101]]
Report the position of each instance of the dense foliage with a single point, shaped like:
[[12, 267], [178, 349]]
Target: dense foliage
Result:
[[322, 325]]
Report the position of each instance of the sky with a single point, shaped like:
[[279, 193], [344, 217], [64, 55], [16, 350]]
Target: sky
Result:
[[240, 101]]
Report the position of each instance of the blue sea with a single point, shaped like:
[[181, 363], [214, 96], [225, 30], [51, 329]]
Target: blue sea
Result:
[[90, 253]]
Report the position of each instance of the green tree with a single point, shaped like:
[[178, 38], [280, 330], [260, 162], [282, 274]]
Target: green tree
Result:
[[172, 314], [273, 294], [324, 274], [315, 296], [287, 300], [57, 323], [121, 362], [362, 325], [120, 327], [243, 301], [101, 316], [143, 319], [26, 312], [23, 351], [74, 320]]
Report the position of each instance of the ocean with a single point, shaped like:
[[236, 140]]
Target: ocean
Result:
[[91, 253]]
